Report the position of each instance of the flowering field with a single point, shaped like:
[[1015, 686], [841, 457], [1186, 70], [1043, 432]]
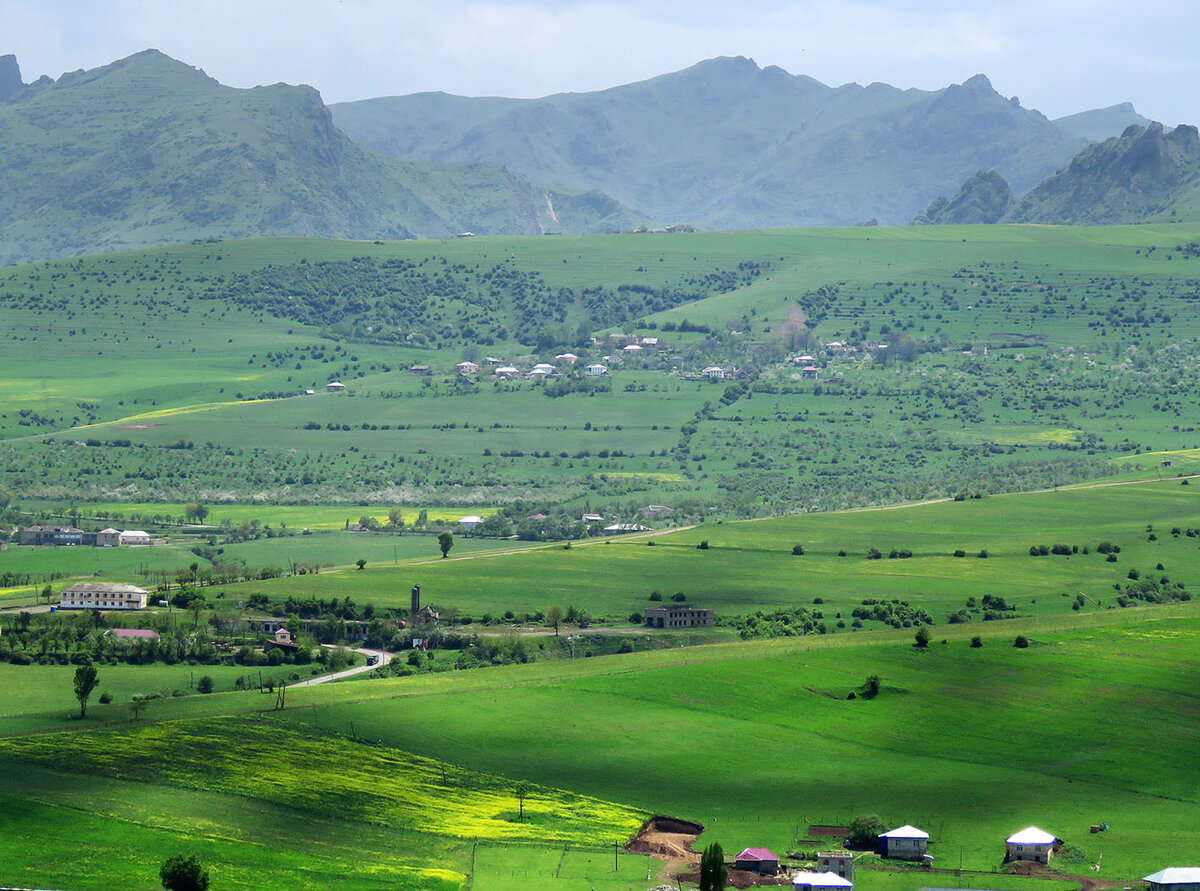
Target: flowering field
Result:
[[318, 772]]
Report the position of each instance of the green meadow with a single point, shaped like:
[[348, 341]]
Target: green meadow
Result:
[[1022, 357], [394, 780], [750, 566]]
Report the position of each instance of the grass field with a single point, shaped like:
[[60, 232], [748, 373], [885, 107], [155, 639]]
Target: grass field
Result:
[[1038, 354], [750, 566], [1092, 723]]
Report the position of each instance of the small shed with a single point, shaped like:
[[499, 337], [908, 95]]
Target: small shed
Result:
[[821, 880], [1032, 844], [759, 860], [905, 843], [1175, 878]]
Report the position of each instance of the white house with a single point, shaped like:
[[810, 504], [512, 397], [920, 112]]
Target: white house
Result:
[[545, 367], [622, 528], [470, 522], [821, 880], [631, 348], [595, 370], [1030, 844], [97, 595], [592, 518], [135, 537], [538, 373], [905, 843], [714, 373], [569, 358], [465, 367], [506, 371], [335, 387], [650, 341], [1175, 878]]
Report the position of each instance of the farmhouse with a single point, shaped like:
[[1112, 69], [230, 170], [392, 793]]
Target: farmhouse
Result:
[[821, 880], [595, 370], [1175, 878], [97, 595], [569, 358], [544, 367], [838, 862], [905, 843], [281, 641], [758, 860], [592, 518], [51, 535], [470, 521], [506, 371], [714, 373], [1030, 844], [108, 538], [678, 617], [622, 528], [466, 367], [335, 387], [135, 537]]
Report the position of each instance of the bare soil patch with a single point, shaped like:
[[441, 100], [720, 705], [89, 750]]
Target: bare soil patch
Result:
[[819, 831]]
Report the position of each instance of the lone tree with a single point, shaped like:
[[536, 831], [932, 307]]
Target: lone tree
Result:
[[205, 684], [870, 688], [445, 542], [86, 679], [181, 873], [554, 616], [712, 869], [922, 637], [864, 831]]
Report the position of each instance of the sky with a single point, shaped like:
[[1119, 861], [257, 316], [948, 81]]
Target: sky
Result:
[[1058, 56]]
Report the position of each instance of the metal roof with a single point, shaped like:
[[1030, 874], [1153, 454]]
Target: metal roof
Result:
[[905, 831], [1175, 875], [1032, 836], [821, 880]]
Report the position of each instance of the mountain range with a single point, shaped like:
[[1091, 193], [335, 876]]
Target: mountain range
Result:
[[727, 144], [149, 150]]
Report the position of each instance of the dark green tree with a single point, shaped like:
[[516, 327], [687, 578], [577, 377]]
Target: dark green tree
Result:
[[205, 684], [922, 637], [870, 688], [86, 679], [864, 831], [445, 542], [182, 873], [712, 869]]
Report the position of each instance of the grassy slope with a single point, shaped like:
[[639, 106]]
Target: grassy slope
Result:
[[1091, 723], [750, 566]]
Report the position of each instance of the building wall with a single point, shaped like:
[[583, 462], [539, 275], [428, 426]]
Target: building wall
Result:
[[678, 617], [1032, 853], [904, 848]]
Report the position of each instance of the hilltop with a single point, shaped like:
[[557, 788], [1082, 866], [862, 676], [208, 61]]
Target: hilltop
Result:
[[1145, 173], [149, 150], [727, 144]]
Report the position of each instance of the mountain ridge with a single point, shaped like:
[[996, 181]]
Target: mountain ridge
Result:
[[148, 150], [727, 144]]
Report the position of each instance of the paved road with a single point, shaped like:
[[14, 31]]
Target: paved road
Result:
[[384, 658]]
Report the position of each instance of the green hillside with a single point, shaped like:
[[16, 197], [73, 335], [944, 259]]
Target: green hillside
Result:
[[984, 198], [727, 144], [149, 150], [390, 783], [1016, 357]]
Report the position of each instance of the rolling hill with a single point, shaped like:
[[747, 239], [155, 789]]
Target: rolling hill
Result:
[[728, 144], [149, 150]]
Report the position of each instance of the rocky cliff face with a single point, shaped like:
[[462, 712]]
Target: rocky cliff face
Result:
[[984, 198], [1145, 173]]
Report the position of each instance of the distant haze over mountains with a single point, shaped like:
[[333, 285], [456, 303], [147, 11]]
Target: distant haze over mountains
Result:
[[149, 150], [726, 144]]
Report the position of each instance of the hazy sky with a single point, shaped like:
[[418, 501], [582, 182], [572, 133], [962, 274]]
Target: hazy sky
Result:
[[1059, 56]]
